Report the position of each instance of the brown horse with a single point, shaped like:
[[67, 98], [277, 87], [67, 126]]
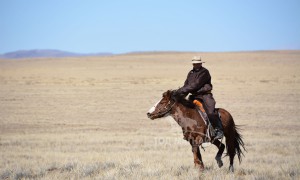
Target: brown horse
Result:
[[194, 127]]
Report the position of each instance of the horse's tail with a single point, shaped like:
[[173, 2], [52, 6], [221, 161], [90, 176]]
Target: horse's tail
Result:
[[234, 141]]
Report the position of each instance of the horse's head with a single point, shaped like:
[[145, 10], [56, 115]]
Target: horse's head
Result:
[[163, 107]]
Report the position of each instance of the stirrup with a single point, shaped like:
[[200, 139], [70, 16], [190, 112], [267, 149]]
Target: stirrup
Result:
[[219, 135]]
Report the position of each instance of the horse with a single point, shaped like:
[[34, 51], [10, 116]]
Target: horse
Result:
[[194, 128]]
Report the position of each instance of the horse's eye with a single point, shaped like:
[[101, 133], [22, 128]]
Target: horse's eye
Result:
[[164, 101]]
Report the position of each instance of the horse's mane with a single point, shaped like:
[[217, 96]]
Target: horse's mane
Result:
[[180, 99]]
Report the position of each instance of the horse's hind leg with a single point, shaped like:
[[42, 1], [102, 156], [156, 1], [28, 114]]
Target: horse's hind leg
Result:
[[221, 148]]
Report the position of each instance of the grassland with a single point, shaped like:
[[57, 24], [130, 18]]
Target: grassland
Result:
[[85, 118]]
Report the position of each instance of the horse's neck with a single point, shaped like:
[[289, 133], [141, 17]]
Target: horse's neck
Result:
[[187, 117]]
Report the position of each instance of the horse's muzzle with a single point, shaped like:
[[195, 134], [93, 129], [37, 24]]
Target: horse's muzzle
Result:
[[150, 116]]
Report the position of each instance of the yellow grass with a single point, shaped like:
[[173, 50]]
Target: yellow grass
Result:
[[85, 118]]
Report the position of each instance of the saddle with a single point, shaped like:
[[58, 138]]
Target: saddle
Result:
[[210, 132]]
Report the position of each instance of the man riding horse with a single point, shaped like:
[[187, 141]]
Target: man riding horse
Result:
[[198, 83], [193, 121]]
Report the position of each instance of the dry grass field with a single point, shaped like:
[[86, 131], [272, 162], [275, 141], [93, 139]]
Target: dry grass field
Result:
[[85, 118]]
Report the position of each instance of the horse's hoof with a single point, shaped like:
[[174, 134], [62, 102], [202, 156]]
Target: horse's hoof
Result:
[[231, 168], [219, 161], [199, 166]]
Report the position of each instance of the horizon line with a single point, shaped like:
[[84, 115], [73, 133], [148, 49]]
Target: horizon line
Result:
[[148, 51]]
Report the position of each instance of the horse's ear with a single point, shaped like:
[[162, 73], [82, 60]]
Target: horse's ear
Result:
[[170, 93], [167, 93]]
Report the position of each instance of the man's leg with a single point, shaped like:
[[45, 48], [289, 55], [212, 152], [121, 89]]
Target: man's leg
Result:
[[209, 104]]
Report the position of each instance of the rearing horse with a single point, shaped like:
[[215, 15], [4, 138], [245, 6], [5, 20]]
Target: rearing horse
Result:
[[194, 128]]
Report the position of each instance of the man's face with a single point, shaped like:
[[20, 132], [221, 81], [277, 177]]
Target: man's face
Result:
[[197, 65]]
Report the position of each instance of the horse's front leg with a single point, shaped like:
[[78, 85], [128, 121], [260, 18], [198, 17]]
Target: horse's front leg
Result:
[[197, 157]]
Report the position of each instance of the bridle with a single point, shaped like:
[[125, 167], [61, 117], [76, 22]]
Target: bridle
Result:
[[166, 109]]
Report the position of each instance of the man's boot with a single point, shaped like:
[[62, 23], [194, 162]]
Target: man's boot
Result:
[[219, 130], [217, 123]]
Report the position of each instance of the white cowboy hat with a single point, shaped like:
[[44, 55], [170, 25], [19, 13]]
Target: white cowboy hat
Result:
[[196, 60]]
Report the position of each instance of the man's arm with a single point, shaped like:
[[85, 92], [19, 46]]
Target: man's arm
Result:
[[205, 88]]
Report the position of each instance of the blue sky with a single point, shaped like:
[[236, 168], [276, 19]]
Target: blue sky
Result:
[[119, 26]]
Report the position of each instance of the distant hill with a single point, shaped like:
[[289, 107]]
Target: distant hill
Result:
[[46, 53]]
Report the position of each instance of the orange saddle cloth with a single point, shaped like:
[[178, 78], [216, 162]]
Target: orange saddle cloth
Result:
[[199, 104]]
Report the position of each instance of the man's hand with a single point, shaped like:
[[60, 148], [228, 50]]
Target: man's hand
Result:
[[178, 93]]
